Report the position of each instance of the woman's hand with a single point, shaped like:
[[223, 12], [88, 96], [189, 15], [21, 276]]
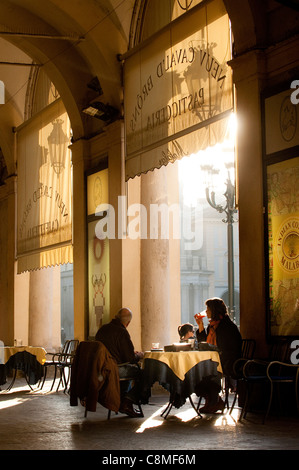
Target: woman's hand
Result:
[[199, 322]]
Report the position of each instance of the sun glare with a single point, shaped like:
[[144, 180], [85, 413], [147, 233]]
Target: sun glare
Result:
[[208, 168]]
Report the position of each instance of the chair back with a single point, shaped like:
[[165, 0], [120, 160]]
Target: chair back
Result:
[[248, 348], [280, 351], [71, 346], [65, 347]]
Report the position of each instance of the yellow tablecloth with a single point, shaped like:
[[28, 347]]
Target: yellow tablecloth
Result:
[[38, 352], [181, 362]]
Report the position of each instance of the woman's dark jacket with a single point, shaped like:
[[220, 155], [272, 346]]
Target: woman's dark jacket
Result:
[[229, 343]]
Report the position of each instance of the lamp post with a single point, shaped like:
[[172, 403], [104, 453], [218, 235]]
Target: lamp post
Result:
[[229, 209]]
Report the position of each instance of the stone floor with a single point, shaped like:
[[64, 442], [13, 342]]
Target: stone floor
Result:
[[44, 420]]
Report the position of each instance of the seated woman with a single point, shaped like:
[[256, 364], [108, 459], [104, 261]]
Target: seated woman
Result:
[[223, 333], [186, 331]]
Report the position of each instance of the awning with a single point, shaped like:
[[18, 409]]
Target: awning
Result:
[[44, 212], [178, 90]]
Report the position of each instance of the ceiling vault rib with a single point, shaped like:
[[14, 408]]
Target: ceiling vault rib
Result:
[[42, 36], [23, 64]]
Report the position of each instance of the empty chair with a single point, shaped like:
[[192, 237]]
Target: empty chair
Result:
[[267, 373], [65, 361], [52, 362], [248, 350], [56, 360], [281, 373], [231, 382]]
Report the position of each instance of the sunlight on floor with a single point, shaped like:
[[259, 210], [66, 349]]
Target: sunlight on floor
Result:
[[224, 419], [13, 402], [186, 415], [227, 419], [151, 422]]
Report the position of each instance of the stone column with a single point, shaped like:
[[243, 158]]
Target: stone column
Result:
[[7, 253], [44, 307], [79, 150], [249, 73], [155, 311]]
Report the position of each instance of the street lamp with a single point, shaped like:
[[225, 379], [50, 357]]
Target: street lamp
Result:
[[229, 209]]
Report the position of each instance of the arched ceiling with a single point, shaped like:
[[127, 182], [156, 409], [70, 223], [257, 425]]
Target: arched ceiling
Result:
[[74, 41], [77, 40]]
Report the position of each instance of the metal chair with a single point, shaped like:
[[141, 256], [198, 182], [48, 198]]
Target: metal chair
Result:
[[124, 380], [281, 373], [65, 361], [266, 373], [57, 360], [248, 350], [95, 378]]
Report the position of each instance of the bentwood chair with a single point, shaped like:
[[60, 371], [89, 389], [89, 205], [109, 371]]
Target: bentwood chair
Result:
[[65, 361], [269, 374], [248, 350], [130, 381], [59, 361], [278, 374], [95, 378]]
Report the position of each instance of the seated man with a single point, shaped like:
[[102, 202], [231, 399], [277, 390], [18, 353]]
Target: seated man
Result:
[[116, 338]]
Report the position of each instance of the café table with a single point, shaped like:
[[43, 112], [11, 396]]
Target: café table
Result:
[[28, 359], [179, 373]]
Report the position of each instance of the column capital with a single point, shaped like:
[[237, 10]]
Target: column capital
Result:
[[79, 150], [9, 187], [249, 66]]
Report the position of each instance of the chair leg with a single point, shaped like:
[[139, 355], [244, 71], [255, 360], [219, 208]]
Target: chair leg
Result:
[[198, 404], [233, 404], [296, 391], [244, 408], [27, 380], [195, 407], [55, 373], [62, 378], [270, 402], [140, 409], [68, 379], [226, 392], [13, 380], [44, 378]]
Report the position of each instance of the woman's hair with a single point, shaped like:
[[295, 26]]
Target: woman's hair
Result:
[[217, 307], [183, 329]]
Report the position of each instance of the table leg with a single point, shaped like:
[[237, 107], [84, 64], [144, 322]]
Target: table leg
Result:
[[27, 380], [196, 408], [13, 380], [167, 409]]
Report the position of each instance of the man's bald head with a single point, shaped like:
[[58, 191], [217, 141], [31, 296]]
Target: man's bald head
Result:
[[125, 316]]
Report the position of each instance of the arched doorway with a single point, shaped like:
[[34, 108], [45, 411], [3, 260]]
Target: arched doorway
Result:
[[168, 45]]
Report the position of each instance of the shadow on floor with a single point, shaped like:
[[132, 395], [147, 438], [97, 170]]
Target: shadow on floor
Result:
[[43, 420]]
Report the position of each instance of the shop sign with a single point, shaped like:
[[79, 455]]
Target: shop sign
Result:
[[44, 186], [178, 90], [283, 241]]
